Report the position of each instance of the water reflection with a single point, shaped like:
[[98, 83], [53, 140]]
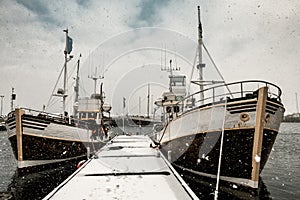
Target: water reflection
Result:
[[38, 185]]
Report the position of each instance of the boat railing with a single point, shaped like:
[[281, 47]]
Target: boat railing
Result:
[[58, 118], [241, 89]]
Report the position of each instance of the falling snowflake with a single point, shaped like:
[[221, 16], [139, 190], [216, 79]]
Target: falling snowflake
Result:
[[257, 158]]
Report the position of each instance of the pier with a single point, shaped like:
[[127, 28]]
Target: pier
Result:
[[126, 168]]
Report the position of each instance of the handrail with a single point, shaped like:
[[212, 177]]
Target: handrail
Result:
[[241, 90], [59, 117]]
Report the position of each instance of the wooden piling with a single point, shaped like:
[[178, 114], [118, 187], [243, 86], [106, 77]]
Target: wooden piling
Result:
[[258, 133], [19, 112]]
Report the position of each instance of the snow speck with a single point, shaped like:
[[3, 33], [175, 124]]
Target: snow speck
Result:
[[257, 158]]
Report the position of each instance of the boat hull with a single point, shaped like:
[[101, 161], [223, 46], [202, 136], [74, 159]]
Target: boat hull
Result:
[[192, 140], [197, 155], [40, 141]]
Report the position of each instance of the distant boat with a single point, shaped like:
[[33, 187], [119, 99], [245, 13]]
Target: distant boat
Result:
[[139, 119], [295, 117], [134, 121], [225, 132], [40, 139]]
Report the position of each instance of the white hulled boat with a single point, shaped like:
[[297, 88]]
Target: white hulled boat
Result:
[[225, 132]]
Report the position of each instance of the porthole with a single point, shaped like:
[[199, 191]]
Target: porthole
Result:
[[244, 117]]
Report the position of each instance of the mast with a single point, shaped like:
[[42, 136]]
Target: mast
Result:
[[65, 72], [297, 105], [2, 96], [200, 66], [95, 79], [101, 105], [148, 100], [67, 51], [139, 106], [76, 88]]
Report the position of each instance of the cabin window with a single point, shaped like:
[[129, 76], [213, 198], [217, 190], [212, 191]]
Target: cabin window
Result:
[[169, 109], [176, 109], [178, 81], [91, 115]]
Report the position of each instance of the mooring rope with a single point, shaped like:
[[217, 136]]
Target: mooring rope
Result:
[[221, 149]]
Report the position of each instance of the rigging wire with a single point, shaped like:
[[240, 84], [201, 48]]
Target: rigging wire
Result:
[[56, 83], [50, 98], [214, 64], [192, 72]]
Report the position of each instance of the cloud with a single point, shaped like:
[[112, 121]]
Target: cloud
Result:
[[148, 15], [247, 39]]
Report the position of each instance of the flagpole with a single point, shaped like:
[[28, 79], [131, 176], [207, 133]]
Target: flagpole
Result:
[[124, 114]]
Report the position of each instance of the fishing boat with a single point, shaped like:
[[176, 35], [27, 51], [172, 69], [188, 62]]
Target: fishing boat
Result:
[[41, 139], [294, 117], [224, 131], [138, 120]]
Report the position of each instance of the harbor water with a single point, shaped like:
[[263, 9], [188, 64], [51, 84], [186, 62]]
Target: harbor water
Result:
[[280, 177]]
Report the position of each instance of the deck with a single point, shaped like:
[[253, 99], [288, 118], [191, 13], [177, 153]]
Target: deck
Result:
[[126, 168]]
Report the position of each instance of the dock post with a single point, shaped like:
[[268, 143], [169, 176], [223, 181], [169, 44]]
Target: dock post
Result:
[[258, 134], [19, 132]]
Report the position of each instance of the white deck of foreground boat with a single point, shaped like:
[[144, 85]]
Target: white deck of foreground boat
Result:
[[126, 168]]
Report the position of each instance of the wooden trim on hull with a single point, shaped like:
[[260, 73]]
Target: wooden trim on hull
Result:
[[258, 133], [19, 133]]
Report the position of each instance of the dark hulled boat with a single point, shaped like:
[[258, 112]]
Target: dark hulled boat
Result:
[[40, 139]]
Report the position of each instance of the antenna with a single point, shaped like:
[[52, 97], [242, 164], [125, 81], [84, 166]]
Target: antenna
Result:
[[171, 68], [2, 96], [95, 79], [161, 52], [297, 105], [148, 100]]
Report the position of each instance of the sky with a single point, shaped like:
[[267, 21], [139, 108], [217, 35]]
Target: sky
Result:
[[128, 42]]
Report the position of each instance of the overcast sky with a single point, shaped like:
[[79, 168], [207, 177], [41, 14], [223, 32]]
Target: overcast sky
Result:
[[247, 39]]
